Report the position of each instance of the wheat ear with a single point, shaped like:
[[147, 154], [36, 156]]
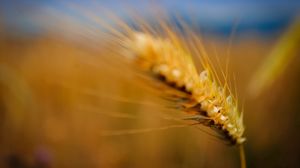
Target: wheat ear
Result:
[[175, 67]]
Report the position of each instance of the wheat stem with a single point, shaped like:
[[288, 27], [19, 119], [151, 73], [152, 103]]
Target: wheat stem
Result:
[[242, 156]]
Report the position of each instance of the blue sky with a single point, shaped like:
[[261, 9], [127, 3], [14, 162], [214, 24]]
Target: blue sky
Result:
[[215, 15]]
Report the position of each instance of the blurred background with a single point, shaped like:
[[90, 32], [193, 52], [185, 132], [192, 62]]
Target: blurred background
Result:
[[65, 102]]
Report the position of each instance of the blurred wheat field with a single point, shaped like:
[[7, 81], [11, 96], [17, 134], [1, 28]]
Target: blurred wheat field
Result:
[[58, 97], [66, 103]]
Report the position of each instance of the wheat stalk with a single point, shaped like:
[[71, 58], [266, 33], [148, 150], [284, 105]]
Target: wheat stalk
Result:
[[169, 58], [174, 66]]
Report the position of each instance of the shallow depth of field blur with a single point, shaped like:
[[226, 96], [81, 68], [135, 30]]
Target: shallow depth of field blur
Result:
[[65, 103]]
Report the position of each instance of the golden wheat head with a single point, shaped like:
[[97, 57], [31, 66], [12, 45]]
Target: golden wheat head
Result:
[[163, 59], [168, 58]]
